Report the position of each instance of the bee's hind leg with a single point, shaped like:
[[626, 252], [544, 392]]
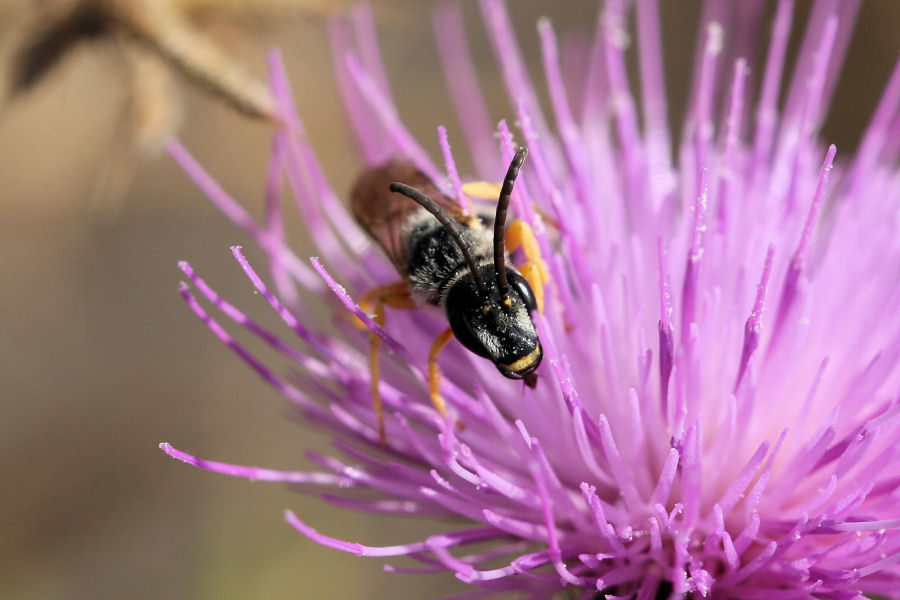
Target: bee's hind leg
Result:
[[395, 295], [520, 235]]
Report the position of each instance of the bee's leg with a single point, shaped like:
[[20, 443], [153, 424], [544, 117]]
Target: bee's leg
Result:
[[374, 379], [434, 372], [482, 189], [395, 295], [485, 190], [532, 274], [520, 235]]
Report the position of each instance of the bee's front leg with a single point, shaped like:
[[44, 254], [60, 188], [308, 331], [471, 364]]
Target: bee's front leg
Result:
[[395, 295], [434, 372]]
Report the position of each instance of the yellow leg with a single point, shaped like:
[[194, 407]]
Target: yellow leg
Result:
[[532, 274], [535, 271], [395, 295], [434, 372], [486, 190], [374, 343], [520, 235], [482, 189]]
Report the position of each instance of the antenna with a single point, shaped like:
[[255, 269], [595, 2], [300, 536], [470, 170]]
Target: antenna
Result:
[[500, 220], [449, 224]]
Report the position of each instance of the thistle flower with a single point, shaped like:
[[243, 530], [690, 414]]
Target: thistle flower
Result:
[[716, 412]]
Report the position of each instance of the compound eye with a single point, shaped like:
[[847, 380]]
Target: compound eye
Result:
[[463, 330], [522, 288]]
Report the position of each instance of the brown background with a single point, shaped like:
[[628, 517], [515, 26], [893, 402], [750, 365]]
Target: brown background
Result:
[[100, 360]]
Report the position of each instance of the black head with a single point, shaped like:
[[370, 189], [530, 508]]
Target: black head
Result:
[[496, 327]]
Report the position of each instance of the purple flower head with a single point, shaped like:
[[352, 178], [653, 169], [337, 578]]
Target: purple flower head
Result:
[[717, 409]]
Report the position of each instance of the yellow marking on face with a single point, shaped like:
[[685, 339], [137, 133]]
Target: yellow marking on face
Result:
[[524, 362], [485, 310], [482, 189]]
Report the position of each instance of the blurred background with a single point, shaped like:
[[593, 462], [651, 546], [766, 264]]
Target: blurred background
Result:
[[100, 360]]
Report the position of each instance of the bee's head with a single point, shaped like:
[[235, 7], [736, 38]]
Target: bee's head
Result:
[[489, 305], [497, 328]]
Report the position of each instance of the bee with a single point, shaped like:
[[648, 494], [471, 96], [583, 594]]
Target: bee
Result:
[[454, 260]]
